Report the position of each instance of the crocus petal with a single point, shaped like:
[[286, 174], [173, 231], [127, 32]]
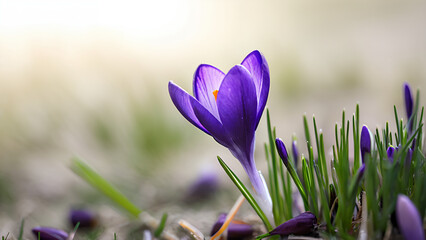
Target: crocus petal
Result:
[[237, 104], [282, 151], [181, 99], [236, 230], [408, 100], [295, 152], [360, 174], [408, 218], [256, 64], [207, 79], [365, 142], [390, 152], [302, 224], [203, 187], [47, 233], [87, 219], [211, 123]]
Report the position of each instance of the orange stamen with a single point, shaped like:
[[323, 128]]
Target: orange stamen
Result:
[[215, 92]]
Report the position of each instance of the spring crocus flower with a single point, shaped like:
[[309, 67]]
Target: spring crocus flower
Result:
[[365, 142], [86, 218], [282, 151], [47, 233], [390, 152], [300, 225], [295, 152], [408, 99], [206, 185], [236, 230], [408, 218], [228, 107], [408, 158]]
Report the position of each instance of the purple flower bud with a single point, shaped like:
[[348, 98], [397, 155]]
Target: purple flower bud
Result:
[[47, 233], [408, 218], [302, 224], [408, 158], [408, 100], [390, 152], [282, 151], [413, 144], [360, 173], [87, 219], [295, 152], [236, 230], [205, 186], [365, 142]]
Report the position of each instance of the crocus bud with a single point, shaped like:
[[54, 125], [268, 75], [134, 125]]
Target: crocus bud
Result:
[[408, 98], [302, 224], [408, 218], [282, 151], [86, 218], [236, 230], [295, 152], [365, 142], [203, 187], [47, 233], [360, 174], [390, 152], [408, 158]]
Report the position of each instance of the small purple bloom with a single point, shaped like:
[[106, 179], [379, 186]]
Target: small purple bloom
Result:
[[295, 152], [282, 151], [360, 173], [47, 233], [409, 102], [205, 186], [303, 224], [365, 142], [390, 152], [228, 107], [408, 218], [236, 230], [86, 218]]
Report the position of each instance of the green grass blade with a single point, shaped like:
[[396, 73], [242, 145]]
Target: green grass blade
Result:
[[160, 228], [307, 134], [21, 230], [98, 182], [276, 196]]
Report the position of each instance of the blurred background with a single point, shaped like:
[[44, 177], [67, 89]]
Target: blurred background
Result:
[[89, 79]]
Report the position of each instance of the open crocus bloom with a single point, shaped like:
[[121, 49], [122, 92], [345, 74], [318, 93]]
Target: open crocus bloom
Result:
[[228, 107]]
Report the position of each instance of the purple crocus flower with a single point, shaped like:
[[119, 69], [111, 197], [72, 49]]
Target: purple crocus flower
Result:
[[228, 107], [47, 233], [365, 142], [236, 229], [205, 186], [302, 224], [408, 218], [409, 104], [295, 152], [360, 174], [390, 152], [408, 99], [282, 150], [86, 218]]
